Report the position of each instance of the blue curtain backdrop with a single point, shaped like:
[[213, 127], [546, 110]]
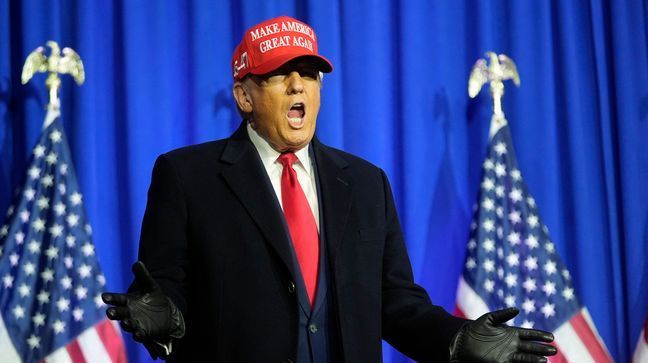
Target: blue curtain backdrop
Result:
[[158, 78]]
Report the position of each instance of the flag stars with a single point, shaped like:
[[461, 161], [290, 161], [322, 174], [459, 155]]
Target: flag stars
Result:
[[34, 173], [509, 300], [77, 313], [488, 225], [72, 220], [566, 274], [38, 225], [51, 158], [59, 208], [33, 341], [499, 191], [19, 237], [84, 270], [513, 259], [515, 195], [63, 304], [513, 238], [13, 259], [500, 170], [76, 198], [470, 263], [532, 241], [33, 246], [58, 326], [66, 282], [488, 164], [500, 148], [47, 275], [63, 169], [24, 216], [7, 281], [531, 263], [51, 252], [29, 194], [39, 151], [101, 279], [489, 265], [529, 285], [56, 230], [532, 220], [550, 267], [88, 249], [70, 241], [47, 181], [43, 297], [29, 269], [531, 202], [62, 189], [499, 211], [18, 311], [549, 288], [488, 184], [516, 175], [489, 285], [548, 310], [55, 136], [24, 290], [68, 261], [488, 204], [514, 217], [489, 245], [38, 319], [568, 294], [528, 306], [4, 231], [472, 244], [549, 247], [511, 280], [98, 301], [500, 272], [81, 292]]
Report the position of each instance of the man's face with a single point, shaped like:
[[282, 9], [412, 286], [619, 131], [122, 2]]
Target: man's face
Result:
[[284, 104]]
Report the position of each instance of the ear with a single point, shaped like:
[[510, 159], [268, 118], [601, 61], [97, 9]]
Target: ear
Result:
[[242, 97]]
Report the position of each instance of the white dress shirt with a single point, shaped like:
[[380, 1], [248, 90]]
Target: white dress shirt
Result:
[[303, 166]]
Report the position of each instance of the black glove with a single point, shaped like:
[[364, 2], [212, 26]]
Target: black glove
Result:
[[488, 340], [147, 313]]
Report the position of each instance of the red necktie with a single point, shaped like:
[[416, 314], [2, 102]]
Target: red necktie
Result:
[[301, 223]]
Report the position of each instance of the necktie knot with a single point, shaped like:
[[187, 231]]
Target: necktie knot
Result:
[[287, 159]]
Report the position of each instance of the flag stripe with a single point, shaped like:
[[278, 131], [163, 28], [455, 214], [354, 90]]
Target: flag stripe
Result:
[[74, 350], [7, 350], [584, 331], [92, 347], [570, 344], [59, 356], [559, 357], [109, 334], [641, 353], [471, 305]]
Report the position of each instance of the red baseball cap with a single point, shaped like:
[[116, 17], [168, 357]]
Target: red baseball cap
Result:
[[268, 45]]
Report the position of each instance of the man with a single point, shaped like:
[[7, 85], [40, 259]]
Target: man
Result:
[[269, 246]]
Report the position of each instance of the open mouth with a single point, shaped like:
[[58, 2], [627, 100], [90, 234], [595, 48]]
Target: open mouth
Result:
[[296, 114]]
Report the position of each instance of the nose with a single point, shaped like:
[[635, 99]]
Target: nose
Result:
[[295, 83]]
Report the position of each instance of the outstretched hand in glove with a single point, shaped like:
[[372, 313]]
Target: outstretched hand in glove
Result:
[[147, 313], [489, 340]]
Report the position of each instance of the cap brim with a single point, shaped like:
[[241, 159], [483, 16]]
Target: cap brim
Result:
[[323, 64]]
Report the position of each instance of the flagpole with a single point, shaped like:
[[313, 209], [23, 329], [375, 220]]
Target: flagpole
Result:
[[67, 63], [501, 68]]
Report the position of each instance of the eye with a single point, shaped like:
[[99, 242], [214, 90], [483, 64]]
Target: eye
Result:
[[310, 74]]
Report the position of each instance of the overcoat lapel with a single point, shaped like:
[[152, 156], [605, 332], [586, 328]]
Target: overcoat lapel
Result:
[[249, 182], [336, 187]]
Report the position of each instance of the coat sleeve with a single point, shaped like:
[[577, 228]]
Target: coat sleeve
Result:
[[163, 239], [410, 322]]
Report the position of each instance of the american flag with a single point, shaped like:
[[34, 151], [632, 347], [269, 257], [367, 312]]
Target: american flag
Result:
[[50, 280], [512, 262]]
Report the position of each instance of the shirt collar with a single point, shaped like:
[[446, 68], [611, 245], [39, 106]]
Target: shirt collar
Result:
[[269, 155]]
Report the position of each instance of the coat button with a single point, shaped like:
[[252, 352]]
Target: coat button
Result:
[[312, 328], [291, 287]]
